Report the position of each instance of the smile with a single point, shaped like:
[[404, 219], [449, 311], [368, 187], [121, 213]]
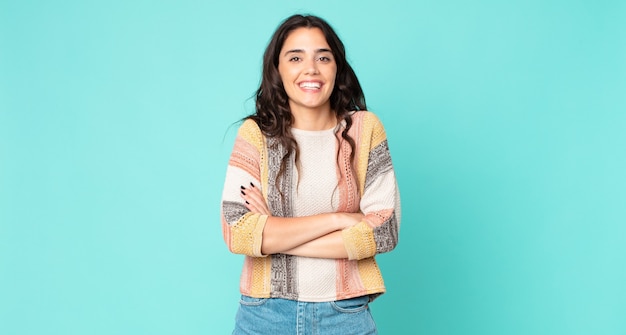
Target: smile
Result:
[[310, 84]]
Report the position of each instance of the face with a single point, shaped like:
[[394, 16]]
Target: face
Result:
[[307, 68]]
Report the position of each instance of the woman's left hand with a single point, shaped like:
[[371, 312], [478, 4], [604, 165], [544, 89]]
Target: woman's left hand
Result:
[[254, 200]]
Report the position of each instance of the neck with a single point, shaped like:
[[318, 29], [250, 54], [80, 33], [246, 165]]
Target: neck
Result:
[[313, 119]]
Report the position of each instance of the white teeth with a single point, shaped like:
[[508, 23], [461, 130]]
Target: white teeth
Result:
[[310, 85]]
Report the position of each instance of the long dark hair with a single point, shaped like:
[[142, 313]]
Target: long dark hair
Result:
[[273, 114]]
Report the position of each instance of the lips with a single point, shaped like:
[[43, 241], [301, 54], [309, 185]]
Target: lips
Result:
[[316, 85]]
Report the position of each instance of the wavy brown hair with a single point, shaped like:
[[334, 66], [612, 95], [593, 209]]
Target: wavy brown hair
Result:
[[273, 114]]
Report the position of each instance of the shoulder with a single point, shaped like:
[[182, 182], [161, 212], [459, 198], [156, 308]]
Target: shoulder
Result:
[[249, 127], [369, 125], [367, 118], [250, 132]]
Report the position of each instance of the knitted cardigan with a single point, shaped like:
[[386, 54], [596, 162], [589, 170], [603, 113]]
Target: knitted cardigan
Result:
[[369, 186]]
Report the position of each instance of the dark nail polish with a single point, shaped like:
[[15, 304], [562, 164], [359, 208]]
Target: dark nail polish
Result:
[[242, 192], [247, 202], [251, 184], [243, 188]]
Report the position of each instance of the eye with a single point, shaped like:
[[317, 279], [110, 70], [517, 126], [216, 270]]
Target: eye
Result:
[[295, 59], [324, 59]]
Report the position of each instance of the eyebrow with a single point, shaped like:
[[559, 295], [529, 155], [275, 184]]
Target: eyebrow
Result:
[[302, 51]]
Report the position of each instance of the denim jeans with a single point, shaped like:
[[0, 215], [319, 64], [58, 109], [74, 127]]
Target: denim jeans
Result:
[[274, 316]]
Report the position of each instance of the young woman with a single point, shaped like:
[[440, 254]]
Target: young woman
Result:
[[310, 195]]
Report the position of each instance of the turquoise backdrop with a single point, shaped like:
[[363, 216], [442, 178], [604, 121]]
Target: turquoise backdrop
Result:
[[506, 122]]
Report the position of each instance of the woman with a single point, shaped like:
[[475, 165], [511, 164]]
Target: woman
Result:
[[310, 195]]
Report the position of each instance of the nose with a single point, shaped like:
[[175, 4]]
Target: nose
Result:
[[311, 67]]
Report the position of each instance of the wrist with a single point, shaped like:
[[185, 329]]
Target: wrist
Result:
[[337, 221]]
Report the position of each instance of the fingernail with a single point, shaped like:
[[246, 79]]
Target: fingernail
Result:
[[243, 188], [247, 202], [242, 192], [251, 184]]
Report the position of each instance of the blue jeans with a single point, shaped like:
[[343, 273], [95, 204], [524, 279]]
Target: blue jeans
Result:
[[289, 317]]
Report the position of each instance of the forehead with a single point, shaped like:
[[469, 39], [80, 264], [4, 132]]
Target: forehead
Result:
[[304, 39]]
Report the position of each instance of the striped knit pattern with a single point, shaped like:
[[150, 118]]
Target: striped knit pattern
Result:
[[368, 186]]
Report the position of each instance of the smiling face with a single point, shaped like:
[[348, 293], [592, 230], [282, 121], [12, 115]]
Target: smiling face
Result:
[[307, 68]]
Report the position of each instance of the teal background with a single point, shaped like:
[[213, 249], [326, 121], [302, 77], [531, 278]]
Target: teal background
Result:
[[506, 121]]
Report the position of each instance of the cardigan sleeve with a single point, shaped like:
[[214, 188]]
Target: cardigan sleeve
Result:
[[242, 229], [380, 198]]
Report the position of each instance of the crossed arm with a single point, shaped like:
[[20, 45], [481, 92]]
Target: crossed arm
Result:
[[310, 236]]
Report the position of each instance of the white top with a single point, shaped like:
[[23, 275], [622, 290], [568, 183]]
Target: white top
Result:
[[316, 193]]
